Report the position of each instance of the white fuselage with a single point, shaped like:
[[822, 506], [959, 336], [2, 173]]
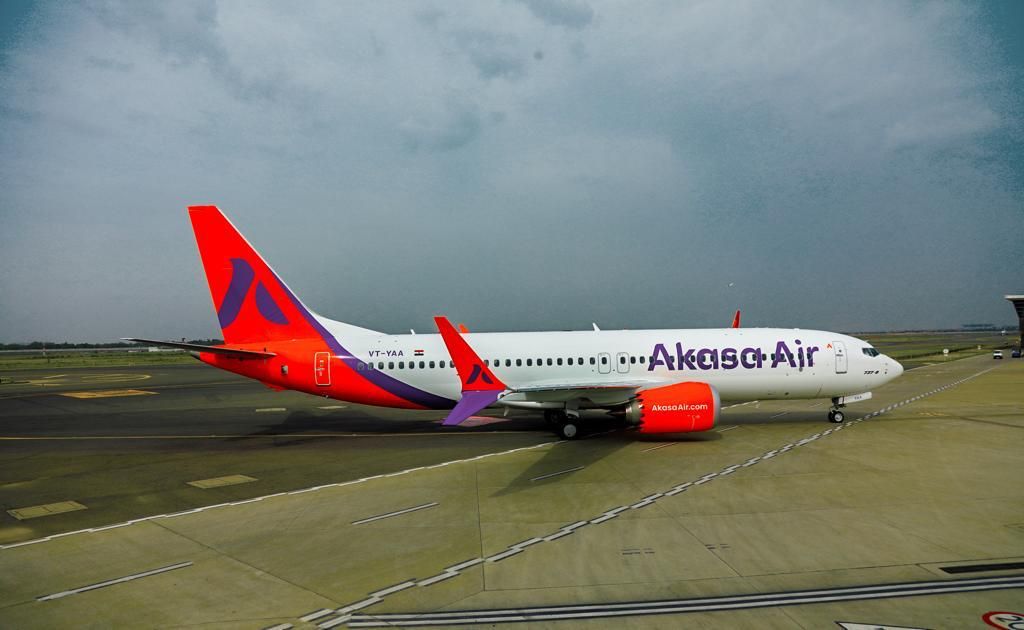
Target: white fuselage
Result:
[[741, 363]]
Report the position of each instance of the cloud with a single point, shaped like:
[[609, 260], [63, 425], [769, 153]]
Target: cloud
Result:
[[567, 13], [847, 165], [447, 130]]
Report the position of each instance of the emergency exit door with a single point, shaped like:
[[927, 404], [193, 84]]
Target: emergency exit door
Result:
[[840, 349], [322, 368]]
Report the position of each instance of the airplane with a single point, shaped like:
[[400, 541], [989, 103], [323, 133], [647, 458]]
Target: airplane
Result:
[[652, 381]]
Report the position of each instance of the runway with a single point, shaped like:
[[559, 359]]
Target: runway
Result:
[[205, 498]]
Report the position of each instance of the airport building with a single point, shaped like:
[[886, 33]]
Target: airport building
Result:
[[1018, 305]]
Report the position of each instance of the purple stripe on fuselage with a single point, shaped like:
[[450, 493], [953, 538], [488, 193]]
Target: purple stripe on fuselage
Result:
[[241, 279], [378, 378]]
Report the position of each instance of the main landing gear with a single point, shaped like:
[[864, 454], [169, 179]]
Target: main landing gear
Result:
[[835, 414], [564, 425]]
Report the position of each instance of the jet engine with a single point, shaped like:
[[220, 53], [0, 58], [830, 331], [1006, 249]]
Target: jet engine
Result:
[[676, 408]]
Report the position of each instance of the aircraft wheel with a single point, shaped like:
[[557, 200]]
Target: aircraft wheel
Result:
[[568, 431], [554, 416], [836, 416]]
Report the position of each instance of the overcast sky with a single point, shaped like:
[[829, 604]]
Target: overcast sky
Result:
[[539, 164]]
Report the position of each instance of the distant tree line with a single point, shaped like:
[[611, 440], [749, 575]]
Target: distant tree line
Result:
[[67, 345]]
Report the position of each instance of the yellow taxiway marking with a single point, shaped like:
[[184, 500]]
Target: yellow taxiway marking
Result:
[[217, 482], [45, 510], [108, 393], [113, 378]]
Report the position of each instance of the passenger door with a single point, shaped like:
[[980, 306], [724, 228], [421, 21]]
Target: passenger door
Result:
[[604, 363], [622, 362], [840, 349]]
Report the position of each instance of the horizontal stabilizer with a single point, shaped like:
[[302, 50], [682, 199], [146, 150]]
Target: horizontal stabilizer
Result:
[[195, 347]]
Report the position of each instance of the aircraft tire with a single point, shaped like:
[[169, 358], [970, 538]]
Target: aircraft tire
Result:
[[836, 416], [568, 431]]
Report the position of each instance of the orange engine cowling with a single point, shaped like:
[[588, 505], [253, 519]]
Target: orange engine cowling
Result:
[[676, 408]]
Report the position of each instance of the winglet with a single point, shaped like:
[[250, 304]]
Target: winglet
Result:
[[736, 319], [480, 387]]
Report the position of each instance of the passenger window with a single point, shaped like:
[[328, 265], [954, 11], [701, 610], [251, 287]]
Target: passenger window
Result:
[[519, 363], [549, 361], [604, 360], [643, 359], [593, 361], [401, 365], [391, 365], [632, 360], [569, 361], [508, 362], [431, 365], [622, 360], [529, 362], [580, 359], [422, 365], [380, 365], [559, 361]]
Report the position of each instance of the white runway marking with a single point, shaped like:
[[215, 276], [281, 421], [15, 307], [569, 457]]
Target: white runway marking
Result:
[[678, 606], [333, 407], [346, 612], [555, 474], [397, 513], [269, 409], [340, 484], [127, 578]]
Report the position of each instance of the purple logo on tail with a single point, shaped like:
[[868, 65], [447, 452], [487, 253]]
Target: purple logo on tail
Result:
[[478, 373], [242, 276]]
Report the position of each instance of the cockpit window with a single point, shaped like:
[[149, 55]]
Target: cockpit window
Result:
[[871, 352]]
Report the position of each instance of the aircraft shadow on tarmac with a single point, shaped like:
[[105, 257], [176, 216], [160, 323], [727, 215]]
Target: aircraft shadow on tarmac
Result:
[[353, 421], [301, 426]]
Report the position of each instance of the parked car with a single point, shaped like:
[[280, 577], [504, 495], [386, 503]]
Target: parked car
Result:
[[997, 354], [1016, 353]]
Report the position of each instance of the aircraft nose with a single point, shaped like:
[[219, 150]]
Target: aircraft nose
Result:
[[897, 367]]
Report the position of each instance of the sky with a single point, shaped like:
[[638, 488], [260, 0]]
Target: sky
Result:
[[515, 165]]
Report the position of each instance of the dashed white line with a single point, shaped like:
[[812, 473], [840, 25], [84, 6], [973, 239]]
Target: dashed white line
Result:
[[654, 448], [316, 614], [517, 548], [269, 409]]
